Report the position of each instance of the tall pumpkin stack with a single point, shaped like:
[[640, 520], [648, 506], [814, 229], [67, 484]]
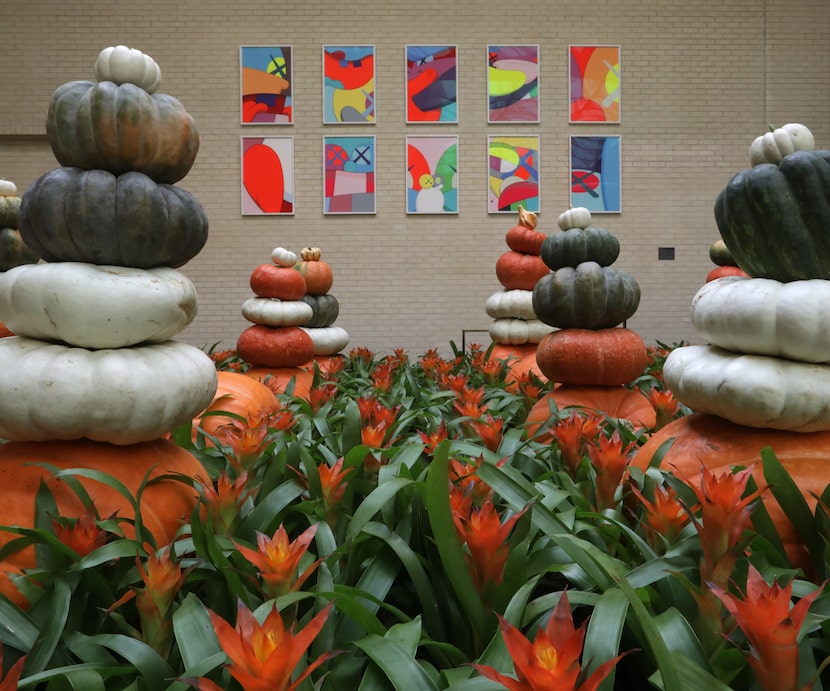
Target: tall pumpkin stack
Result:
[[586, 299], [13, 251], [515, 328], [763, 379], [93, 377]]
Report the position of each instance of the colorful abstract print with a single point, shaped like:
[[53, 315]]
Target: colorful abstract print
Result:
[[266, 85], [513, 173], [513, 83], [432, 175], [595, 173], [594, 83], [431, 84], [348, 84], [267, 175], [349, 175]]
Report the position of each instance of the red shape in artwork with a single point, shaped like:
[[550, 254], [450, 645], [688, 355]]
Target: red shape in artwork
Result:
[[583, 110], [263, 178]]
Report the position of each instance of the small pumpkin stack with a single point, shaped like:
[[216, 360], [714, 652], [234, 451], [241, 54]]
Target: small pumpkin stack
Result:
[[586, 299], [764, 376], [93, 377], [515, 328], [13, 251]]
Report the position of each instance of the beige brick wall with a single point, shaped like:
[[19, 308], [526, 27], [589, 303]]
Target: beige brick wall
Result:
[[699, 81]]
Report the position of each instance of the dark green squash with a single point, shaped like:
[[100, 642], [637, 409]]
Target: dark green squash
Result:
[[13, 251], [325, 310], [9, 208], [120, 128], [96, 217], [575, 245], [588, 296], [775, 218]]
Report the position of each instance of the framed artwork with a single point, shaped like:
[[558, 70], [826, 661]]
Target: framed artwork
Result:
[[513, 176], [596, 173], [431, 84], [432, 174], [267, 175], [349, 174], [594, 83], [513, 83], [348, 85], [266, 85]]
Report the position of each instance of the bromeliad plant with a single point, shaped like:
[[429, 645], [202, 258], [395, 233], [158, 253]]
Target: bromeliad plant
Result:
[[398, 529]]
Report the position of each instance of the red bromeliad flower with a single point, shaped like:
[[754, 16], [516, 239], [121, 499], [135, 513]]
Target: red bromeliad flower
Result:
[[221, 503], [277, 559], [664, 404], [82, 534], [318, 396], [361, 354], [665, 517], [771, 627], [263, 656], [489, 431], [383, 375], [568, 433], [282, 420], [247, 439], [529, 386], [551, 661], [431, 440], [377, 422], [332, 483], [610, 460], [469, 402], [10, 681], [464, 476], [162, 580]]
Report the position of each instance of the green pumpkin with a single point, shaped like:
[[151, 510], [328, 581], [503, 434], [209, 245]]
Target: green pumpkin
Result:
[[775, 217], [9, 207], [119, 128], [588, 296], [13, 251], [719, 254], [96, 217], [575, 245], [325, 309]]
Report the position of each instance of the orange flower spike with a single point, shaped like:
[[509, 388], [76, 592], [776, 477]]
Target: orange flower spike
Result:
[[610, 460], [282, 420], [771, 627], [10, 681], [318, 396], [489, 431], [528, 386], [491, 369], [457, 383], [569, 439], [247, 440], [263, 656], [277, 559], [551, 661], [464, 476], [222, 503], [382, 376], [664, 404], [162, 580], [665, 517], [431, 440], [469, 402], [332, 482], [486, 538], [363, 354], [83, 534]]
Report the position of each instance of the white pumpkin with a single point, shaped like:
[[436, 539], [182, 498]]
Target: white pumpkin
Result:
[[773, 146], [122, 65], [327, 340], [518, 331], [516, 304], [7, 188], [117, 395], [751, 390], [577, 217], [95, 306], [763, 316], [283, 257], [273, 312]]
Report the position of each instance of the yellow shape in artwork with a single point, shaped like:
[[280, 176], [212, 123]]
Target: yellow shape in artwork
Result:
[[503, 82]]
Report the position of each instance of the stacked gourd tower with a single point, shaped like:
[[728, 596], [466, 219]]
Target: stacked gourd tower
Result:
[[93, 378], [586, 299], [13, 250], [293, 317], [763, 379], [515, 328]]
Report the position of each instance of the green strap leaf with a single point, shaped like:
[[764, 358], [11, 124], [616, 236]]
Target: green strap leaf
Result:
[[397, 664]]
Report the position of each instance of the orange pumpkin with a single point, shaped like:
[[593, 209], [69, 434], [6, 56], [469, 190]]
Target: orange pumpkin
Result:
[[525, 240], [584, 357], [236, 394], [275, 346], [614, 401], [316, 272], [721, 271], [277, 379], [517, 271], [4, 331], [512, 352], [165, 506], [708, 440], [271, 281], [519, 368]]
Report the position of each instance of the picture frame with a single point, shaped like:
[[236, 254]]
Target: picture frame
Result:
[[266, 85], [513, 83], [349, 85], [513, 173], [594, 83], [267, 185], [596, 173], [432, 174], [349, 174], [431, 84]]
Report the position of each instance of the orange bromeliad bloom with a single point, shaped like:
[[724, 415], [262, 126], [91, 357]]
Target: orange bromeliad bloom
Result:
[[83, 534], [610, 460], [664, 404], [331, 482], [469, 402], [221, 504], [10, 681], [431, 440], [665, 517], [570, 435], [263, 656], [551, 661], [771, 627], [277, 559], [247, 439], [318, 396], [489, 431]]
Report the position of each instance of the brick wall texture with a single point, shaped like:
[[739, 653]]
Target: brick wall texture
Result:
[[699, 81]]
